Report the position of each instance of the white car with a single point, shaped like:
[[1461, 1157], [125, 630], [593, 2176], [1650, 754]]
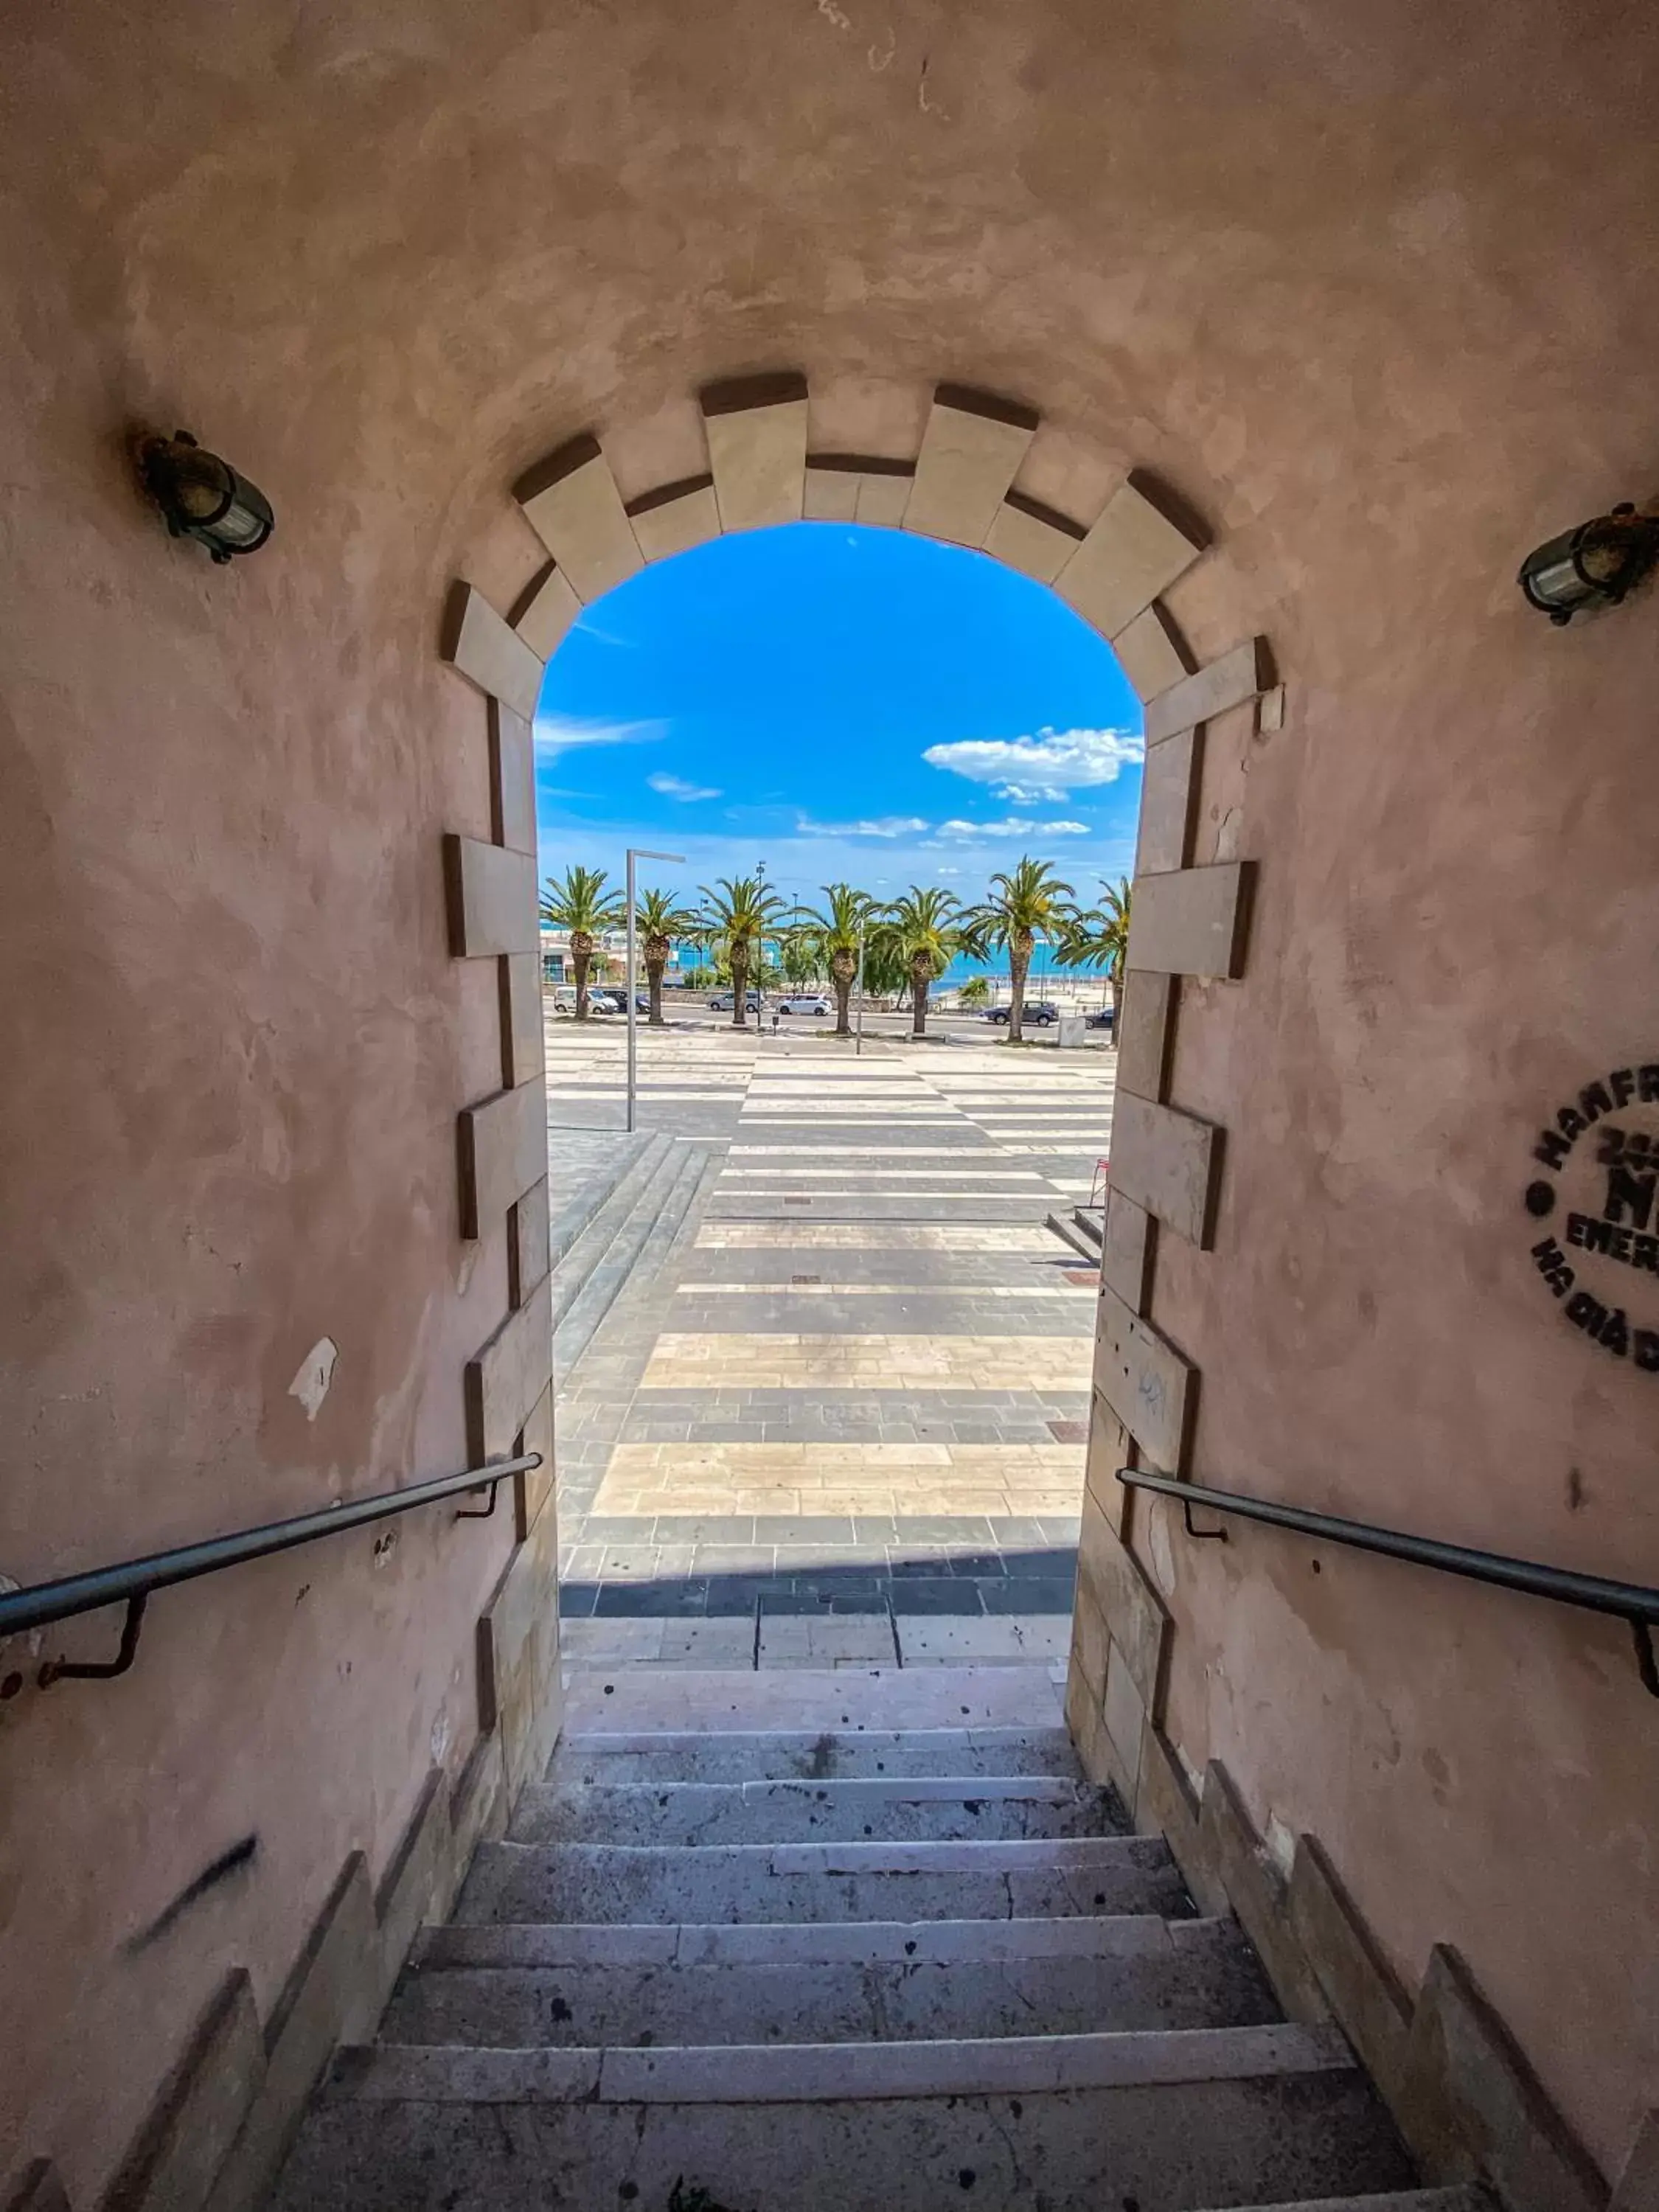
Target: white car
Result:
[[564, 1001], [806, 1003]]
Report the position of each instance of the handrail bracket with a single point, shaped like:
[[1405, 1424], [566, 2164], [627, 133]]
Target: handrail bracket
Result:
[[1647, 1666], [106, 1670]]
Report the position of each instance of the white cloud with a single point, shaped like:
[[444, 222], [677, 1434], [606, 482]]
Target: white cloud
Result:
[[557, 734], [1013, 825], [676, 786], [884, 825], [1047, 766]]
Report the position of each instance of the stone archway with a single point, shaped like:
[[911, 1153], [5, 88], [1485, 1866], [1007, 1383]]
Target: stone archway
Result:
[[1190, 921]]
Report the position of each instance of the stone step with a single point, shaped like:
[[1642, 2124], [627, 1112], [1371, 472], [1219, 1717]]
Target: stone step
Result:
[[1463, 2197], [637, 1248], [823, 1881], [920, 1810], [1068, 1233], [515, 1986], [1090, 1222], [754, 1755], [856, 1701], [1073, 2124], [632, 1161]]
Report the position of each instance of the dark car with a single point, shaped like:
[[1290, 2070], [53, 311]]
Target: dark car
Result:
[[1104, 1019], [1039, 1012]]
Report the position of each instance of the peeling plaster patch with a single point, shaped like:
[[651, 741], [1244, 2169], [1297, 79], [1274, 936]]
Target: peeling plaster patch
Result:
[[878, 61], [384, 1547], [311, 1385], [438, 1743], [831, 13], [1280, 1844], [1226, 837]]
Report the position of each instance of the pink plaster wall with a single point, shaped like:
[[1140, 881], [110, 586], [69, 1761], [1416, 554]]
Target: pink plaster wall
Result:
[[1372, 287]]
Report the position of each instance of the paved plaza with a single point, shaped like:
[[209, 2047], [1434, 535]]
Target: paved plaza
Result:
[[834, 1410]]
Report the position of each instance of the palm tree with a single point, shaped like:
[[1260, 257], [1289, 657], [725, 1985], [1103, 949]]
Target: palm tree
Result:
[[581, 905], [736, 917], [840, 930], [660, 921], [1031, 904], [974, 992], [925, 928], [1098, 937]]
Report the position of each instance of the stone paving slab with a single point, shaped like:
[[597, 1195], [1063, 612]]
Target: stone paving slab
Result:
[[850, 1407]]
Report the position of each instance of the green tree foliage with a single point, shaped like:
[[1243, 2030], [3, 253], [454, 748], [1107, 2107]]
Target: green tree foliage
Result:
[[839, 925], [659, 919], [1021, 906], [737, 916], [924, 930], [1098, 937]]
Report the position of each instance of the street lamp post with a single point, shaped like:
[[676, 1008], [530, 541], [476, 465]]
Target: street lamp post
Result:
[[858, 1039], [678, 859]]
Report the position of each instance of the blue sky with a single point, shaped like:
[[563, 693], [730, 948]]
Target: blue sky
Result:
[[837, 703]]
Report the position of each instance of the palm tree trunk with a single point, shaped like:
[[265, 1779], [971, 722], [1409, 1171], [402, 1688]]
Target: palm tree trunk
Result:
[[653, 978], [919, 999], [1019, 962], [580, 961], [740, 989], [843, 988]]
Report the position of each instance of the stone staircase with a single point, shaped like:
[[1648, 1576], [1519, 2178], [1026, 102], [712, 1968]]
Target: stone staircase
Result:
[[608, 1231], [1083, 1228], [758, 1951]]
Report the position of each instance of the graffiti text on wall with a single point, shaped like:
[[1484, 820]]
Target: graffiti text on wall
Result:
[[1602, 1199]]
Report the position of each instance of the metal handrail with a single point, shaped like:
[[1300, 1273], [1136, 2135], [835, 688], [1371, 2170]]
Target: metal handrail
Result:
[[1629, 1601], [131, 1581]]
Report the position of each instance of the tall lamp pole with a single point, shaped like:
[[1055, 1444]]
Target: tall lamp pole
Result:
[[678, 859], [858, 1040]]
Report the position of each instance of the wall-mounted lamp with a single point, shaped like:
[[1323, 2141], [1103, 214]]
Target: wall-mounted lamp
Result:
[[203, 497], [1593, 566]]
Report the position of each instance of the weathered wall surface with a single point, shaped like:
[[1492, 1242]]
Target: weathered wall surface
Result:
[[1372, 289]]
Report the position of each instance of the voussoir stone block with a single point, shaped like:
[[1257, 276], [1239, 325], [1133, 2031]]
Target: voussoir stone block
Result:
[[1032, 538], [1191, 921], [548, 614], [524, 1045], [572, 503], [972, 451], [513, 779], [1150, 654], [1144, 1006], [502, 1151], [676, 518], [756, 434], [1168, 804], [883, 494], [1169, 1163], [491, 895], [485, 648], [1125, 1249], [505, 1380], [1229, 682], [831, 493], [531, 1250], [1133, 553], [1147, 1383]]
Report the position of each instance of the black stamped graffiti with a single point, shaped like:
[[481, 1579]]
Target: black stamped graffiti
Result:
[[1604, 1196]]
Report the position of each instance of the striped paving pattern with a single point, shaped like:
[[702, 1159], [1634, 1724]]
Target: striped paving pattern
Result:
[[864, 1389]]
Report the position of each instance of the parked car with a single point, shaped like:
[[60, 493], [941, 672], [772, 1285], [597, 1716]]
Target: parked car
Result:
[[1041, 1011], [608, 1001], [807, 1002], [564, 1000], [1104, 1017], [723, 1001]]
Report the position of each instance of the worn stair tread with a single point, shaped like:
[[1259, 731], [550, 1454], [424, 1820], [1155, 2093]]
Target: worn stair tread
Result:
[[916, 1807], [786, 1942], [834, 2073], [843, 1700], [823, 1881], [1462, 2196], [890, 1984], [699, 1755], [1090, 1224]]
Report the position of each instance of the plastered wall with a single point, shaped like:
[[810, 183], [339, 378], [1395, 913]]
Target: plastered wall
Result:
[[1372, 291]]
